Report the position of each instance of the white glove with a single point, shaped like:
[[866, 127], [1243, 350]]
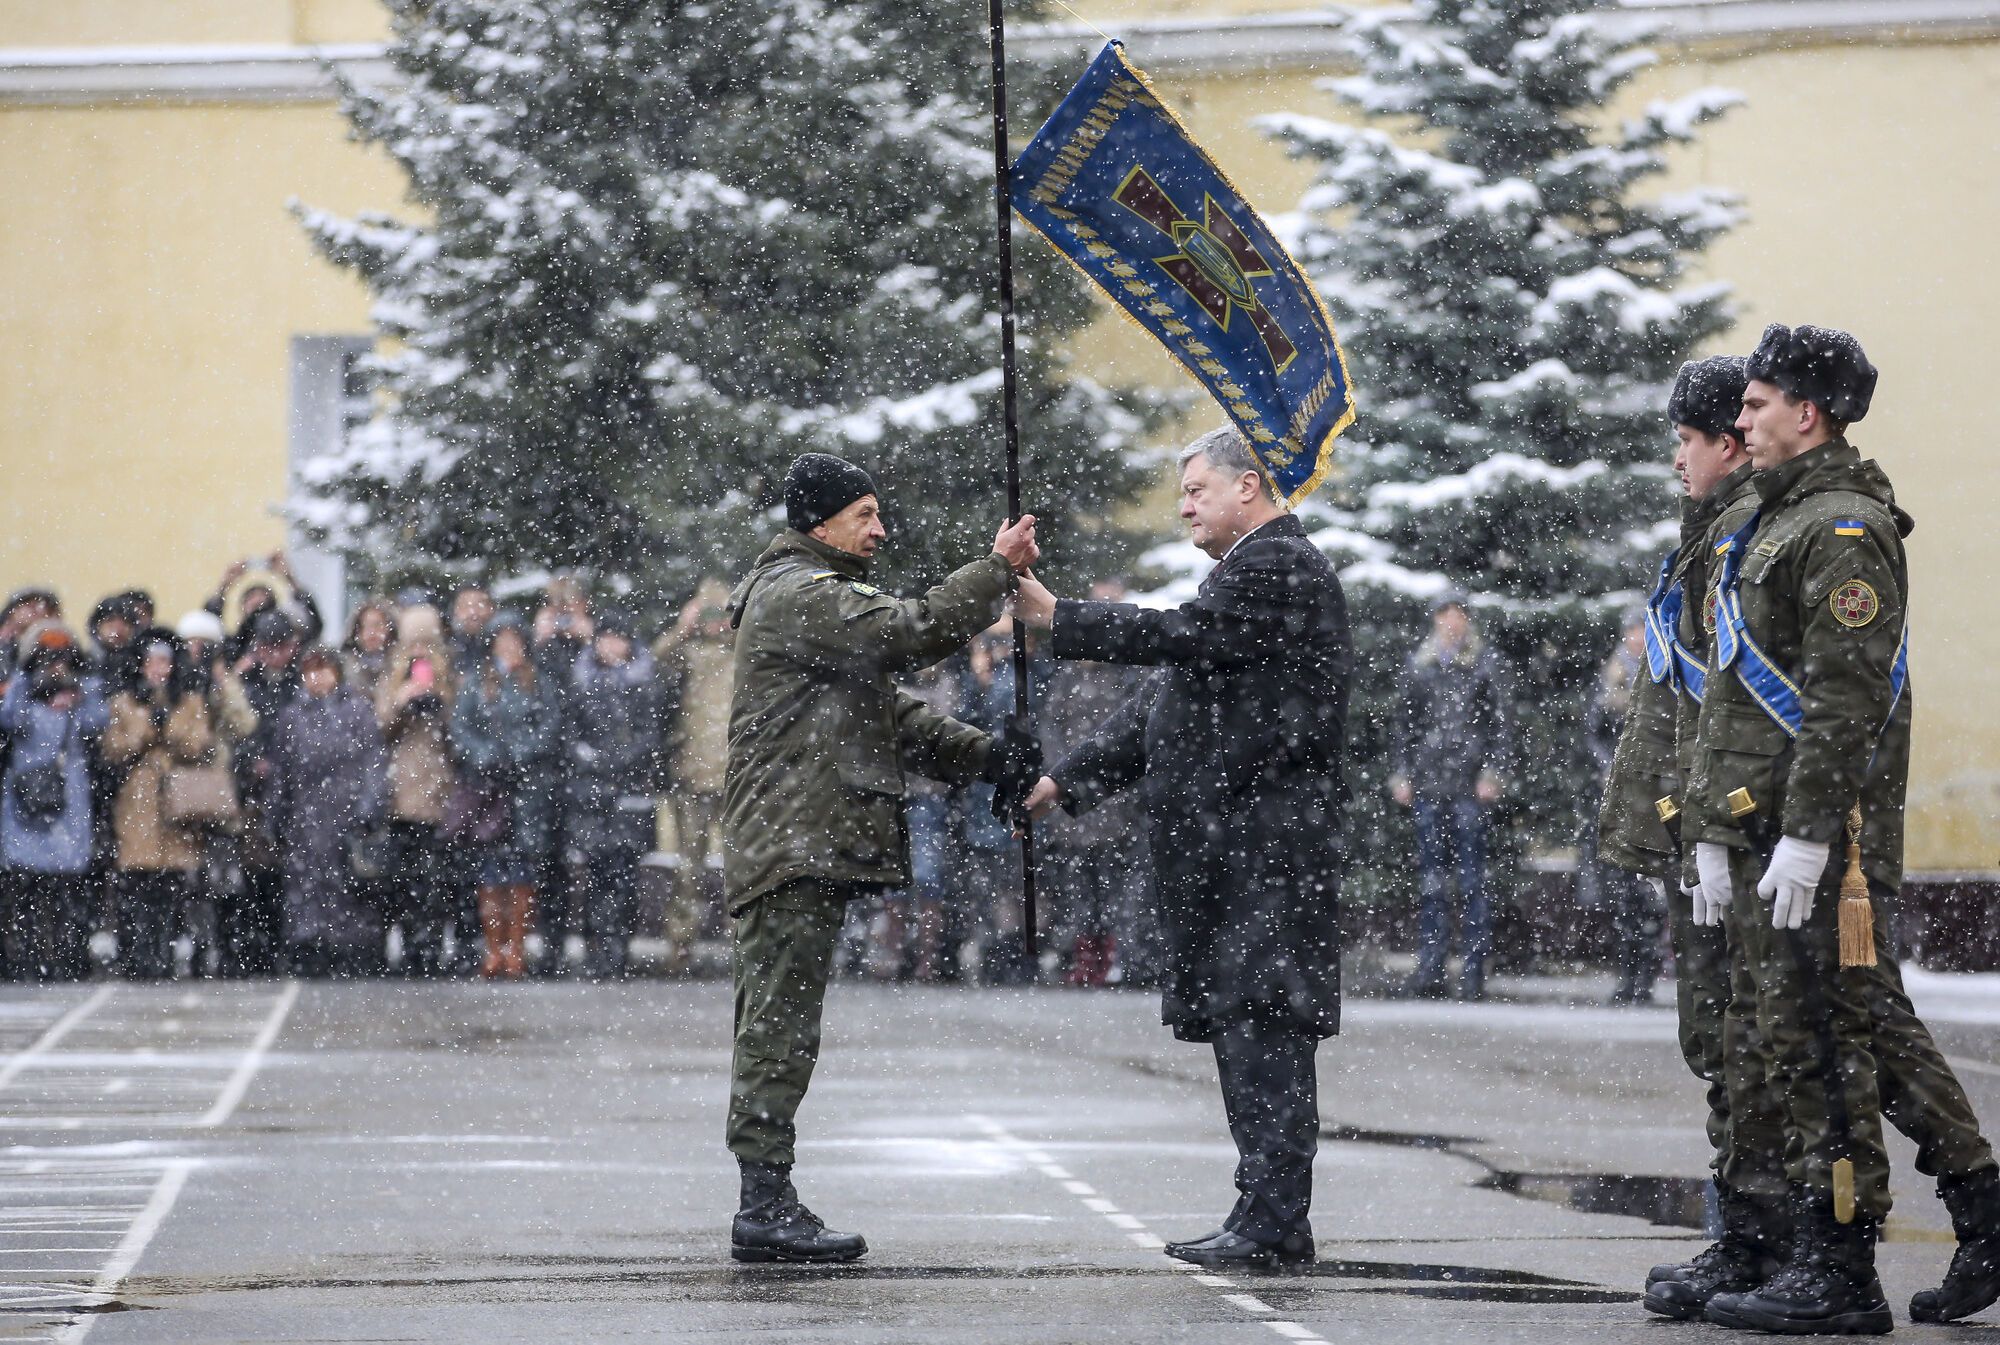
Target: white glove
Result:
[[1711, 894], [1789, 884]]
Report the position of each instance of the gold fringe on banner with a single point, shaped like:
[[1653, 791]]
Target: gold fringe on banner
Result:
[[1857, 916]]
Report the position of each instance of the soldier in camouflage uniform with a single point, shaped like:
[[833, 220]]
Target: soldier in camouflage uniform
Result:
[[1806, 712], [1639, 831], [819, 738]]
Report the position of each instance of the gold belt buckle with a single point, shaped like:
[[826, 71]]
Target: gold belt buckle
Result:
[[1740, 803], [1667, 808]]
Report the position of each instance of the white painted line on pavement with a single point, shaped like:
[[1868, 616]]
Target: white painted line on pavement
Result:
[[133, 1246], [49, 1040], [239, 1082], [1140, 1234]]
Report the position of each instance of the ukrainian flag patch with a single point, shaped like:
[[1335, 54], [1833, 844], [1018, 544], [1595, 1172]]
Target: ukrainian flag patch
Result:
[[1849, 527]]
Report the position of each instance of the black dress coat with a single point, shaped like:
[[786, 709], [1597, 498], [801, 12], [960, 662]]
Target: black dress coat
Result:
[[1237, 751]]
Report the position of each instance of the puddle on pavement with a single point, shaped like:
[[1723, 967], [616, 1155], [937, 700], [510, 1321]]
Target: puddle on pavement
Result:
[[1670, 1202], [1440, 1280], [1398, 1139]]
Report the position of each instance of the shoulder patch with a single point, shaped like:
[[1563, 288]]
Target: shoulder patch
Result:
[[1768, 548], [1849, 527], [1854, 603], [823, 574], [865, 590]]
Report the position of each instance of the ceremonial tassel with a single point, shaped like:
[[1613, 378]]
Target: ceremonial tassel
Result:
[[1857, 916]]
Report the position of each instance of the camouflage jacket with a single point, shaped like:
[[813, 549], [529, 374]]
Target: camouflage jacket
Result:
[[819, 733], [1824, 590], [1652, 756]]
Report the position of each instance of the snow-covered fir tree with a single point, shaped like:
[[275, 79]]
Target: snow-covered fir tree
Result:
[[1514, 307], [658, 248]]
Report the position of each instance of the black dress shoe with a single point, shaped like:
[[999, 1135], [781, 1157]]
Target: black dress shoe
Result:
[[1233, 1251], [1176, 1248]]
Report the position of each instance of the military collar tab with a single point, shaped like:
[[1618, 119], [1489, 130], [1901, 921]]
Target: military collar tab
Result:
[[817, 553]]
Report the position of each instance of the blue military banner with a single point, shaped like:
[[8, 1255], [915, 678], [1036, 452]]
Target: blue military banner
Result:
[[1118, 186]]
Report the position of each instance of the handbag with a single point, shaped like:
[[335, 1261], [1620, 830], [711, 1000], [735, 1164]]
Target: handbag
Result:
[[200, 796], [476, 814], [41, 790]]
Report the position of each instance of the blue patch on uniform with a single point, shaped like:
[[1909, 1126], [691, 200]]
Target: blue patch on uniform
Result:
[[1849, 527]]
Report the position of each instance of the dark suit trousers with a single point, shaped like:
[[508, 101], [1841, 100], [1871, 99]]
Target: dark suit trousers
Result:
[[1270, 1093]]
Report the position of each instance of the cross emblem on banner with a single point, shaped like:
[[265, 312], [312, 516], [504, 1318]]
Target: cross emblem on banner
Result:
[[1215, 264]]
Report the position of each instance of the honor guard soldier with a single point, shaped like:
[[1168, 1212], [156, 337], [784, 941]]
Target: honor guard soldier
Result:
[[1795, 803], [819, 738], [1639, 829]]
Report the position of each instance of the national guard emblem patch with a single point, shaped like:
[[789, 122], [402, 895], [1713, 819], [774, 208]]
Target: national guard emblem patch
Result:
[[1854, 604], [1708, 610], [865, 590]]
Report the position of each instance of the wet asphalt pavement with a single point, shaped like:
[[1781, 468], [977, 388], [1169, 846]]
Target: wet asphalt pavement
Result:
[[447, 1162]]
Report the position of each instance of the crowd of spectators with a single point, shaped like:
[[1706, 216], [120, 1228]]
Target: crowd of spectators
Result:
[[453, 787]]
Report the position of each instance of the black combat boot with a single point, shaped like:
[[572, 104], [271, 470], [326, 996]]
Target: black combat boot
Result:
[[1973, 1282], [1828, 1288], [1755, 1235], [774, 1225]]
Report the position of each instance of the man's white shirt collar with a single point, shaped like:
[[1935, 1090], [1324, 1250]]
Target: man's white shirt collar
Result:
[[1247, 536]]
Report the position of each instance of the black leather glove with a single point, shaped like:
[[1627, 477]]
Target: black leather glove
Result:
[[1013, 766]]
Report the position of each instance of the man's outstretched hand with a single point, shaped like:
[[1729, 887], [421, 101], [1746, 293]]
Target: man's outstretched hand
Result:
[[1016, 543], [1043, 799], [1033, 604]]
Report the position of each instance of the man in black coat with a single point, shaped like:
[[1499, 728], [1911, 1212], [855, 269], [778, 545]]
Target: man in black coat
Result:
[[1237, 750]]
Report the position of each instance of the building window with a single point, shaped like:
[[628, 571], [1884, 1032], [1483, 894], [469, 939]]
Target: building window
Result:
[[329, 400]]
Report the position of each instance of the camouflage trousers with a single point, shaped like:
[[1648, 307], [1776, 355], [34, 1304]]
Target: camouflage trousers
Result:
[[781, 958], [1839, 1048]]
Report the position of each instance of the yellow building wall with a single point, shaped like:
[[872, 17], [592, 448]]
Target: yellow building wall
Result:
[[190, 23], [151, 281]]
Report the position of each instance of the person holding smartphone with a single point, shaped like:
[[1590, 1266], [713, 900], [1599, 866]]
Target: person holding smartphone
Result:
[[413, 704]]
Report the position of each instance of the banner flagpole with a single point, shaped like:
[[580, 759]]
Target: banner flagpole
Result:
[[1003, 209]]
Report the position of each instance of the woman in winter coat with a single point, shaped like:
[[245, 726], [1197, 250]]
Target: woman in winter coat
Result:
[[413, 703], [327, 784], [161, 723], [364, 656], [506, 729], [50, 717]]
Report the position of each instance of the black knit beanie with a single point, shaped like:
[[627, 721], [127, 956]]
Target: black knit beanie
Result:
[[820, 486]]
